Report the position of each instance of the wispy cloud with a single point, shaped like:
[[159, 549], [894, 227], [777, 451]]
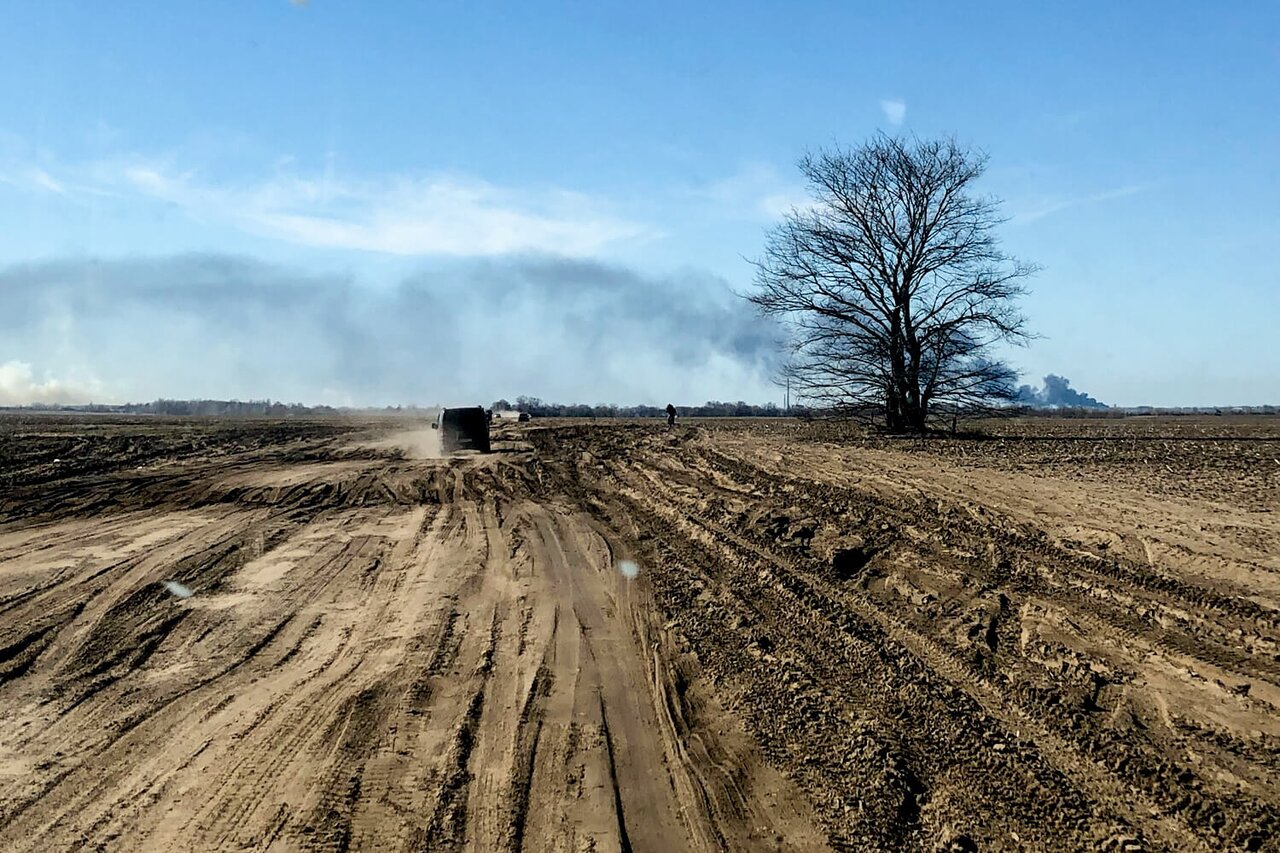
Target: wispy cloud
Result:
[[441, 214], [1048, 206], [895, 110], [40, 180], [44, 180], [755, 191]]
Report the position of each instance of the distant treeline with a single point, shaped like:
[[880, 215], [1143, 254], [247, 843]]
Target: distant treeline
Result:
[[716, 409], [1134, 411], [711, 409], [217, 408], [260, 408], [541, 409]]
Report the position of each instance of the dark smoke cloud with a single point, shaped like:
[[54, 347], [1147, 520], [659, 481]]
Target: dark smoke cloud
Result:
[[1057, 393], [227, 326]]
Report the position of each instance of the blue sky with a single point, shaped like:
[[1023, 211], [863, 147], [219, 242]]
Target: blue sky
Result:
[[385, 155]]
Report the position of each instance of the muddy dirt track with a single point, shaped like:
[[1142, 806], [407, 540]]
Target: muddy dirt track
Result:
[[1030, 643]]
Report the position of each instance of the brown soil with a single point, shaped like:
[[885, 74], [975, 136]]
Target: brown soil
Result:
[[1051, 640]]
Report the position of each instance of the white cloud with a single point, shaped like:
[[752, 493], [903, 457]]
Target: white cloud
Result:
[[757, 191], [153, 182], [895, 110], [19, 386], [45, 181], [398, 215], [441, 215], [1039, 209], [778, 205], [37, 179]]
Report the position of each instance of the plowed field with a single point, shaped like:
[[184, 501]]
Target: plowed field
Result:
[[228, 635]]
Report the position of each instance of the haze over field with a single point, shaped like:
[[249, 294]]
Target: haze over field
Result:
[[421, 204], [225, 326]]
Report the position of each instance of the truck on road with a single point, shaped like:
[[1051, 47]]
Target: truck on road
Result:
[[463, 429]]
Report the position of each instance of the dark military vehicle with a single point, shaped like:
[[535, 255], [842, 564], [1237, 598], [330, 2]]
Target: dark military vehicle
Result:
[[463, 429]]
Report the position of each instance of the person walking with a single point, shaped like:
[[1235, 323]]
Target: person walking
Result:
[[671, 416]]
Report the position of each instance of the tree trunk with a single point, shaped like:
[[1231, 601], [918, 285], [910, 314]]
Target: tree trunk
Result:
[[898, 401], [915, 419], [915, 405], [892, 410]]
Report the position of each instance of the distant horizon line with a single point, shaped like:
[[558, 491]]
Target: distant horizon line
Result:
[[320, 408]]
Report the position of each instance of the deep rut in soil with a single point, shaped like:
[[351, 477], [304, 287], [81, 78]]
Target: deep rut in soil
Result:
[[377, 654], [921, 664]]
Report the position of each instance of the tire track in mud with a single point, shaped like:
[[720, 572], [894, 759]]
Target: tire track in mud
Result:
[[447, 828], [624, 840], [372, 650], [613, 703], [1161, 605], [890, 783], [351, 648], [1057, 752], [125, 739], [655, 468], [388, 653], [528, 735], [1224, 812], [252, 650]]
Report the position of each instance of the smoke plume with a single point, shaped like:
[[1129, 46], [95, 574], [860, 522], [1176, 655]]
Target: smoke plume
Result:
[[224, 326], [20, 386], [1057, 393]]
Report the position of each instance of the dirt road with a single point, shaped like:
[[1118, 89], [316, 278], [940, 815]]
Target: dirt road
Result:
[[824, 645], [376, 654]]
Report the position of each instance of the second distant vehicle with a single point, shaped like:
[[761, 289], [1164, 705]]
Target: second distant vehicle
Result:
[[463, 429]]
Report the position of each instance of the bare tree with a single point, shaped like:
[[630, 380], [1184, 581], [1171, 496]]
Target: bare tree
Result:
[[892, 283]]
